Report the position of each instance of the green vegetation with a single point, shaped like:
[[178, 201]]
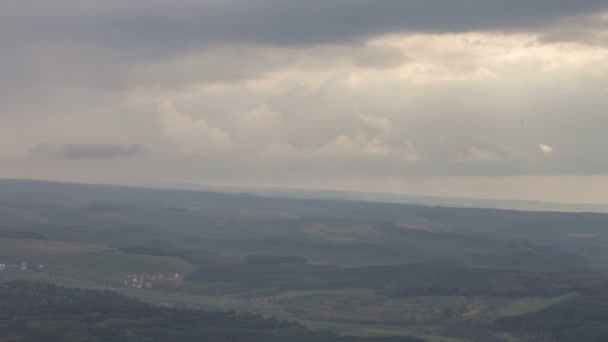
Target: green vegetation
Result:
[[584, 319], [36, 251], [162, 250], [391, 281], [20, 235], [529, 305], [356, 268], [40, 312]]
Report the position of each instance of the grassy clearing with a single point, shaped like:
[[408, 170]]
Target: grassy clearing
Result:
[[295, 294], [436, 338], [378, 331], [528, 305], [366, 330], [79, 264], [193, 301], [45, 251], [508, 337], [123, 263]]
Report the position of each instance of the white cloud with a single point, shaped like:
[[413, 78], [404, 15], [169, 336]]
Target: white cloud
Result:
[[191, 136], [260, 127], [381, 125], [546, 149]]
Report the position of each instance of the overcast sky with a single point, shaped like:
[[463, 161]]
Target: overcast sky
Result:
[[474, 98]]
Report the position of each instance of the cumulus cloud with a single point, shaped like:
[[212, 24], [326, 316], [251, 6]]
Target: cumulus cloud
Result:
[[382, 125], [189, 135], [546, 149], [260, 127]]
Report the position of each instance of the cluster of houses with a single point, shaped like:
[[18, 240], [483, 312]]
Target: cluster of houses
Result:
[[148, 281], [18, 267]]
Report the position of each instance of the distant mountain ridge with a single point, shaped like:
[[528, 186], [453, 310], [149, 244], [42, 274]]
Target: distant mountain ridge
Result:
[[439, 201], [34, 186]]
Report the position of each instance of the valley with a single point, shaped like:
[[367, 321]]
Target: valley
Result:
[[359, 269]]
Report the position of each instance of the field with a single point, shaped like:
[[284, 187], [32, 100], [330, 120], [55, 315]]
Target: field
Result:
[[529, 305]]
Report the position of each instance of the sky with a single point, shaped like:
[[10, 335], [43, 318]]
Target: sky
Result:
[[468, 98]]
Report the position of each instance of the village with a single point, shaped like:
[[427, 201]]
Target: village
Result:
[[134, 281], [148, 281], [23, 267]]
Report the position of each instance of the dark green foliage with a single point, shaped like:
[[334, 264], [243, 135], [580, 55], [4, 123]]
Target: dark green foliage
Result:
[[162, 250], [392, 281], [32, 311], [583, 320], [274, 259], [239, 277], [436, 279], [21, 235], [472, 333]]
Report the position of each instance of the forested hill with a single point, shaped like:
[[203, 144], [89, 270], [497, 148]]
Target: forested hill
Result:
[[31, 311]]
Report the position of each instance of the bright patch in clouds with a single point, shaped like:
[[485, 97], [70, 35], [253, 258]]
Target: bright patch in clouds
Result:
[[546, 149]]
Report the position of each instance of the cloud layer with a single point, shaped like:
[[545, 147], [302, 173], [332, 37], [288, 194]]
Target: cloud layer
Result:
[[352, 94]]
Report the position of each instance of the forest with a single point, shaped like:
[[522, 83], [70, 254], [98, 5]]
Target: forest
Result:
[[31, 311]]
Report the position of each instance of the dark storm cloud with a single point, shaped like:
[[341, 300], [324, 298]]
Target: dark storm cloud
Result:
[[101, 151], [182, 23], [116, 44]]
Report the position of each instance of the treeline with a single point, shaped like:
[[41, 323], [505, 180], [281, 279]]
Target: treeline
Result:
[[32, 311], [245, 276], [274, 259], [582, 320], [9, 234], [437, 279], [196, 256], [204, 257], [391, 281]]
